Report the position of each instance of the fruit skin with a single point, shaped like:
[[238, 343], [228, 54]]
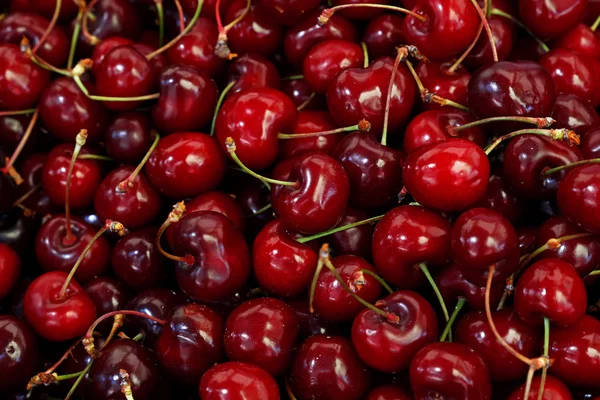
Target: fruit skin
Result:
[[550, 20], [10, 267], [18, 353], [574, 200], [554, 389], [237, 381]]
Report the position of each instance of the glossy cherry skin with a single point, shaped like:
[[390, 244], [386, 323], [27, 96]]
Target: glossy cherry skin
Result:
[[332, 302], [327, 367], [287, 12], [573, 350], [503, 32], [554, 389], [359, 93], [390, 347], [474, 331], [135, 208], [124, 354], [436, 78], [525, 159], [53, 318], [221, 203], [187, 100], [108, 294], [221, 257], [452, 284], [590, 144], [550, 20], [31, 169], [374, 170], [319, 200], [21, 81], [19, 354], [106, 45], [580, 39], [360, 13], [511, 88], [128, 137], [311, 121], [448, 176], [354, 241], [450, 371], [310, 323], [300, 93], [550, 288], [500, 199], [10, 267], [573, 113], [480, 238], [449, 29], [300, 38], [186, 164], [388, 392], [277, 256], [253, 119], [574, 199], [252, 71], [191, 342], [383, 35], [237, 381], [55, 254], [12, 129], [262, 332], [431, 127]]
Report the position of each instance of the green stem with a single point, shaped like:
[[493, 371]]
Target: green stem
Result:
[[539, 122], [488, 30], [379, 279], [79, 379], [595, 272], [365, 54], [546, 355], [75, 36], [68, 376], [161, 21], [388, 99], [555, 134], [219, 103], [94, 157], [127, 183], [595, 25], [572, 165], [80, 139], [327, 13], [262, 210], [338, 229], [82, 87], [306, 102], [425, 270], [500, 13], [292, 78], [313, 286], [363, 126], [18, 112], [459, 305]]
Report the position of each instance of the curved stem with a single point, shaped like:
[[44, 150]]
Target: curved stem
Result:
[[328, 12], [48, 376], [458, 62], [179, 15], [49, 27], [306, 102], [595, 24], [530, 373], [75, 35], [127, 183], [17, 112], [219, 104], [11, 161], [550, 171], [425, 270], [94, 157], [69, 238], [500, 13], [540, 123], [362, 126], [365, 54], [546, 354], [553, 243], [313, 286], [160, 13], [379, 279], [82, 87], [117, 323], [26, 195], [93, 40], [260, 211], [174, 216], [78, 381], [488, 30], [459, 305], [554, 134], [339, 229], [388, 99]]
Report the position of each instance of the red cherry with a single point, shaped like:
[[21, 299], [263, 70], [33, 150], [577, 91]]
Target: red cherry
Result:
[[574, 199], [452, 284], [354, 241], [47, 7], [128, 137], [503, 33], [18, 355], [382, 35], [360, 13], [10, 267], [287, 12], [548, 21], [108, 294], [554, 389], [252, 71], [590, 144], [573, 113], [438, 79], [219, 202], [581, 39], [236, 381], [500, 199], [388, 392], [310, 323], [309, 122], [106, 45]]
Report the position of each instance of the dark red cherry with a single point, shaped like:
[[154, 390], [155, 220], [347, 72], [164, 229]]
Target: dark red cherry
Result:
[[47, 7], [327, 367], [122, 357], [550, 288], [308, 122], [300, 38], [503, 33], [262, 332], [554, 389], [17, 230], [277, 257], [187, 100], [359, 93], [580, 39], [18, 354], [221, 258], [390, 346], [360, 13], [480, 238], [10, 268], [388, 392], [527, 239], [31, 170], [106, 45], [253, 71], [190, 343], [449, 28], [474, 331], [21, 81], [310, 323], [135, 208], [221, 203], [449, 371], [504, 88], [500, 199], [550, 20], [53, 317], [590, 144], [574, 351], [354, 241], [252, 195], [449, 176], [253, 119], [54, 253], [12, 129], [431, 127], [575, 198], [573, 113], [287, 12], [525, 159], [436, 77], [332, 302], [405, 237], [108, 294], [527, 48], [301, 94], [382, 35], [236, 381], [208, 7], [128, 137], [452, 284]]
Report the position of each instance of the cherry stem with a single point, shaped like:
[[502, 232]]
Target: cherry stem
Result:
[[230, 144], [48, 376], [160, 14], [306, 102], [328, 12], [93, 40], [75, 35], [262, 210], [595, 272], [222, 48], [313, 286], [219, 104], [379, 279], [40, 62], [8, 167], [488, 30], [500, 13], [288, 389], [95, 157], [49, 27], [365, 54], [109, 225], [127, 183], [17, 112], [546, 355], [435, 288], [79, 379], [541, 123], [402, 54], [459, 305], [550, 171], [595, 24], [339, 229], [87, 63], [26, 195], [180, 15], [80, 139], [555, 134], [174, 216], [292, 78], [553, 244], [362, 126], [126, 384], [458, 62], [117, 324]]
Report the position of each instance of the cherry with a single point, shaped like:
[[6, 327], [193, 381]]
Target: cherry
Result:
[[310, 323], [47, 7], [134, 208], [474, 331], [309, 122], [549, 21], [128, 137], [327, 367], [236, 381], [574, 198], [449, 370], [553, 388], [221, 203], [580, 39], [191, 342], [388, 392], [528, 48], [390, 346], [406, 237], [54, 316], [277, 257], [590, 144], [17, 231], [10, 267], [108, 294], [18, 355], [550, 288], [360, 13], [124, 361], [300, 38], [354, 241], [208, 7], [527, 239], [452, 284], [187, 100], [383, 34], [106, 45], [252, 71], [262, 332], [287, 12], [439, 79], [503, 33], [573, 350], [21, 81], [573, 113], [14, 127], [449, 176], [500, 199]]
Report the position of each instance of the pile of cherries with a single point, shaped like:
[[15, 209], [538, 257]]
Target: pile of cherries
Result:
[[302, 199]]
